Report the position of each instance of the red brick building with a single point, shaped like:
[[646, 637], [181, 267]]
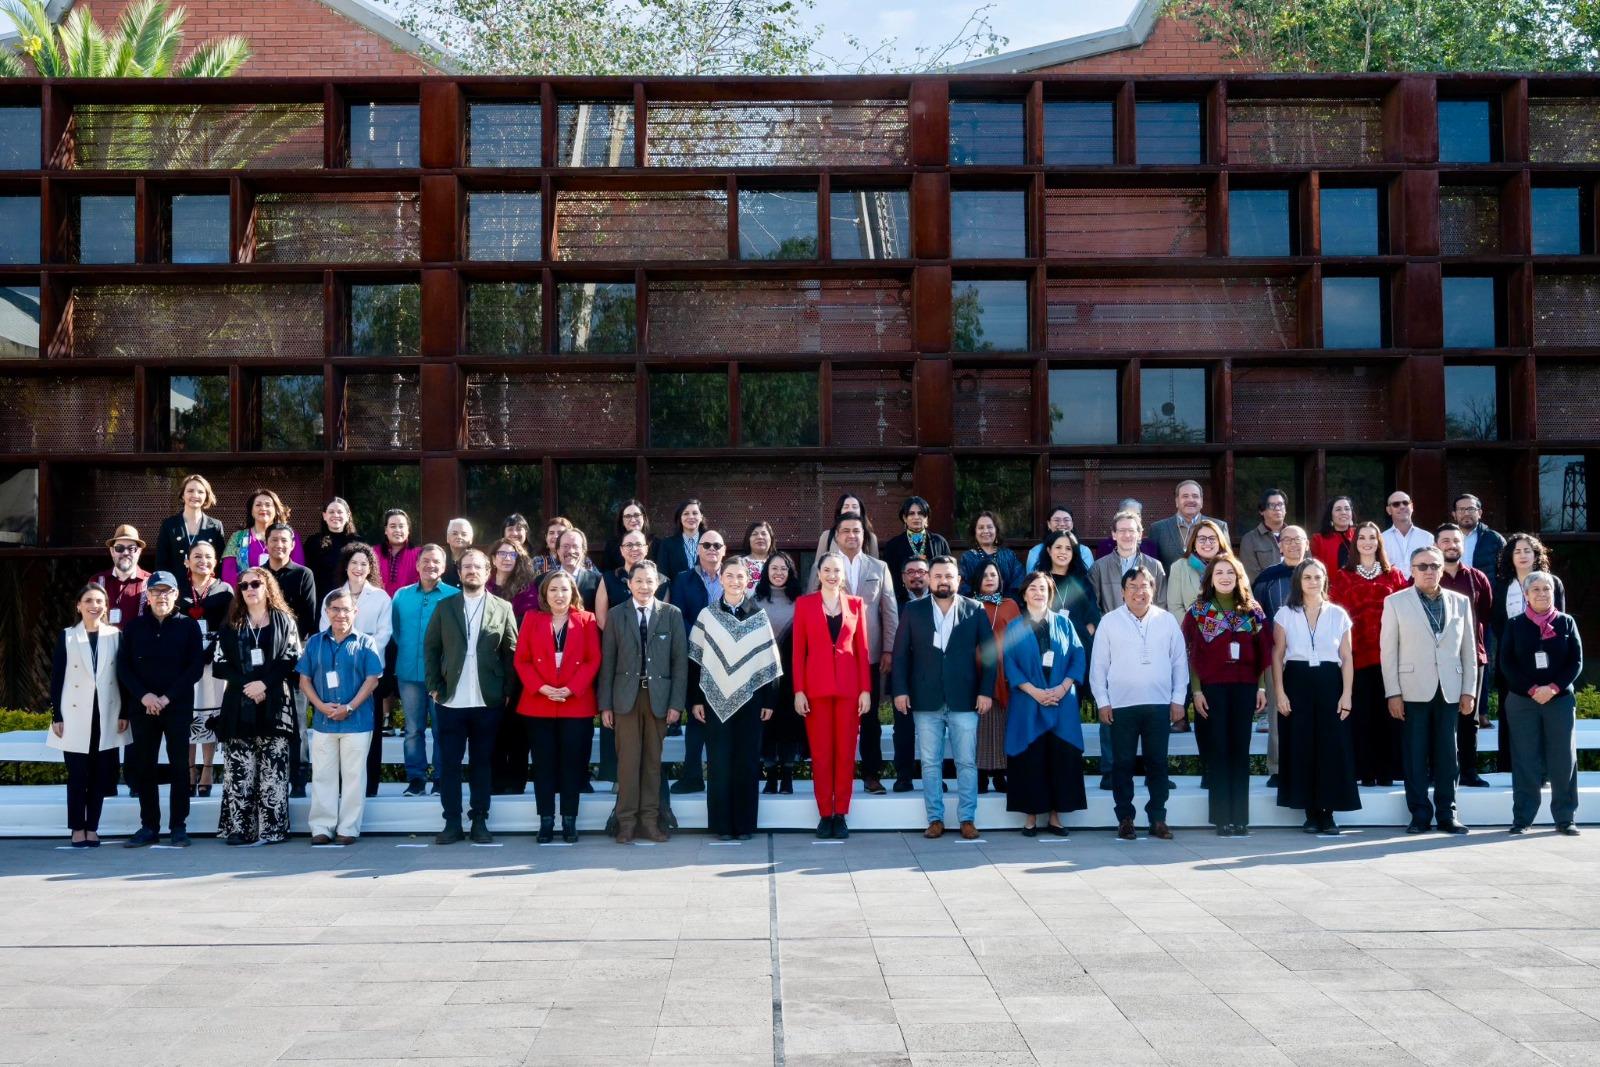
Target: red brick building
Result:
[[1152, 40]]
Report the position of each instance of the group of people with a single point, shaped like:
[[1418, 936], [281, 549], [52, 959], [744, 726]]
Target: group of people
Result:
[[1368, 651]]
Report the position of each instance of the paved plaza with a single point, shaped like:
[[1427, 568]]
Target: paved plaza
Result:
[[1372, 949]]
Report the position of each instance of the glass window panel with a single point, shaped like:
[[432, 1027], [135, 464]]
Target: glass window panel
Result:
[[594, 134], [1352, 312], [987, 132], [504, 318], [105, 229], [1254, 475], [291, 412], [200, 227], [19, 229], [1471, 404], [19, 322], [1563, 494], [385, 320], [1001, 486], [1172, 405], [777, 224], [495, 490], [1465, 132], [1169, 131], [1078, 132], [385, 135], [197, 413], [595, 316], [990, 316], [1083, 407], [688, 410], [1364, 479], [988, 224], [1258, 222], [19, 506], [504, 135], [503, 226], [1470, 313], [870, 223], [779, 409], [591, 494], [19, 138], [1350, 222], [373, 488], [1558, 228]]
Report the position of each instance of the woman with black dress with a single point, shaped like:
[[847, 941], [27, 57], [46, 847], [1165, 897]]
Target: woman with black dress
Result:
[[783, 736], [189, 527], [1045, 660], [325, 549], [206, 599], [86, 725]]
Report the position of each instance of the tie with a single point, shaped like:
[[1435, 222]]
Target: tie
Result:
[[644, 645]]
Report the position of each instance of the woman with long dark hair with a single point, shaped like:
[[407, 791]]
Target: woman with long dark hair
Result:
[[849, 504], [1331, 542], [987, 535], [783, 736], [87, 724], [1360, 587], [679, 548], [760, 540], [248, 547], [324, 548], [630, 516], [397, 559]]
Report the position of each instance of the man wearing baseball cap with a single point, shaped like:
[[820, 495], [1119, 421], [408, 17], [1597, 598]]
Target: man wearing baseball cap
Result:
[[125, 580], [160, 658]]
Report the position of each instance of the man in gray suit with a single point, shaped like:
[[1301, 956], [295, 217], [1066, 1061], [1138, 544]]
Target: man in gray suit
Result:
[[641, 690], [1127, 530], [1171, 534], [1429, 653]]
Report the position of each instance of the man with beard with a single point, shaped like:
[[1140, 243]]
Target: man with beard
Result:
[[1473, 584], [125, 585]]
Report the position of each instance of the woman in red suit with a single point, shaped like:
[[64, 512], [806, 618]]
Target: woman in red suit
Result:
[[1359, 587], [558, 656], [1331, 542], [831, 686]]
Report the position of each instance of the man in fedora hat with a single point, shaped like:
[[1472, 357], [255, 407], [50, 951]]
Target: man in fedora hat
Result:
[[125, 581]]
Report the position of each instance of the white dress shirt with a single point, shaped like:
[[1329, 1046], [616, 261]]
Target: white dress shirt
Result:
[[943, 621], [1401, 545], [1304, 645], [468, 694], [1139, 661]]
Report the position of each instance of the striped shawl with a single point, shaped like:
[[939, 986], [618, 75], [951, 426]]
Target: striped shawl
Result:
[[736, 657]]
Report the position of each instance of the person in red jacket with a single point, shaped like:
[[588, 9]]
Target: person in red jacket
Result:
[[1331, 543], [558, 657], [832, 675], [1360, 587]]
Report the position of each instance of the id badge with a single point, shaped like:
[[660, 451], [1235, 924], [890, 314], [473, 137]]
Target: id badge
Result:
[[1315, 662], [1049, 659], [1233, 651], [116, 616], [256, 658], [559, 656], [331, 679], [1144, 656], [1541, 661], [204, 629]]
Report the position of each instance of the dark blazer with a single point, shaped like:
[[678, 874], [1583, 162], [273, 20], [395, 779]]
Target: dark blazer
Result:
[[1170, 541], [242, 718], [954, 678], [161, 656], [688, 595], [444, 649], [897, 552], [172, 541], [1486, 553], [1521, 641], [664, 662], [671, 559]]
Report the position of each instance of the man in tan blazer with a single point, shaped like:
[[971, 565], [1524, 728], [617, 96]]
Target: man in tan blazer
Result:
[[1429, 651]]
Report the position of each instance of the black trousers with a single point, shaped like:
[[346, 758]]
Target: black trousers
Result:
[[1229, 724], [375, 751], [468, 732], [1375, 733], [148, 732], [1147, 726], [694, 747], [509, 774], [1430, 758], [871, 742], [560, 761], [1467, 733], [733, 751], [89, 774]]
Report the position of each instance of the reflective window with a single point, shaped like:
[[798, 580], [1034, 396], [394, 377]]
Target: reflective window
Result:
[[1352, 312], [595, 316], [594, 134], [1471, 314], [1558, 221], [590, 494], [19, 229], [291, 412], [19, 138], [504, 318], [1001, 486], [374, 488], [779, 409], [988, 224], [1563, 494], [494, 490], [1078, 132], [1465, 132], [197, 413], [504, 134], [1172, 405], [503, 226], [1364, 479], [989, 316], [385, 135], [385, 320], [688, 410], [1083, 407], [1169, 131], [1254, 475], [1350, 222], [105, 229], [1258, 222], [870, 223], [19, 322], [777, 224], [987, 132], [200, 226], [1471, 403], [19, 506]]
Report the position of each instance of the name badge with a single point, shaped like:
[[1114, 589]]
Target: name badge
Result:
[[331, 679], [559, 655], [1144, 655], [1315, 662], [1541, 661], [204, 629], [1049, 659], [1233, 650], [256, 658], [116, 616]]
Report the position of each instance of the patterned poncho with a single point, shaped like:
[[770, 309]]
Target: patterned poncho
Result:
[[736, 657]]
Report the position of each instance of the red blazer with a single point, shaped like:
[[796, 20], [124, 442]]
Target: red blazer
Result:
[[536, 665], [822, 667]]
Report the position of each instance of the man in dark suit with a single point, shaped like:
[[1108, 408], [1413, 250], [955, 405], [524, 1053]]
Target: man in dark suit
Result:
[[943, 676], [691, 592], [916, 542], [1171, 534]]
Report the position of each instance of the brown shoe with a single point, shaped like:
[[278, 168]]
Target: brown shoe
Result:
[[969, 832], [873, 786], [657, 835], [1125, 831], [1160, 830], [935, 829], [322, 839], [624, 837], [343, 840]]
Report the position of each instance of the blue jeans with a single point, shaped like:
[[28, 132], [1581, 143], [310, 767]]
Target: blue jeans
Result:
[[963, 730], [421, 715]]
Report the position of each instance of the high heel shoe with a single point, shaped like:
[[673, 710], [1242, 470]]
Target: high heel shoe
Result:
[[786, 779]]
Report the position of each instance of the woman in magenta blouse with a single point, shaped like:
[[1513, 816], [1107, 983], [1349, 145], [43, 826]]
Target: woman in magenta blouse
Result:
[[248, 547]]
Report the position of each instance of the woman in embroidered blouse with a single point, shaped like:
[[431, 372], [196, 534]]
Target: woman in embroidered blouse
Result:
[[1230, 645], [1001, 609], [1313, 667], [1331, 543], [987, 533], [248, 547], [1206, 542], [1044, 661], [759, 541], [1523, 554], [784, 736], [1360, 587]]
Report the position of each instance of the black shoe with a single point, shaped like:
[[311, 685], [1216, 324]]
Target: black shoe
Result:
[[413, 788], [688, 785], [236, 840], [433, 790], [1000, 783], [450, 835], [675, 730], [1476, 782], [667, 821], [1272, 781], [142, 837], [1030, 831], [825, 827], [569, 829], [586, 787], [786, 781], [480, 834], [179, 838], [983, 784], [1309, 826], [205, 790], [1416, 827], [547, 830], [1518, 830], [1454, 826], [1386, 783], [1567, 829], [1224, 831], [744, 837], [840, 829], [1328, 828], [1369, 783], [903, 785], [1105, 782], [724, 837], [771, 788], [1057, 831], [297, 792]]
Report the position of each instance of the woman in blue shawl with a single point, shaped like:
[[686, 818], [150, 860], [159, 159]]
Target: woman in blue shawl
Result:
[[1044, 662]]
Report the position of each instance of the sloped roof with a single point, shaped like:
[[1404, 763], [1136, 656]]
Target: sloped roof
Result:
[[1130, 34]]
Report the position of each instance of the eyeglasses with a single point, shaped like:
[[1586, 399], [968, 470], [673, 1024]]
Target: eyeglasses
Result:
[[1427, 566], [123, 550], [505, 554], [1399, 503], [257, 584], [711, 544], [161, 590], [1469, 509]]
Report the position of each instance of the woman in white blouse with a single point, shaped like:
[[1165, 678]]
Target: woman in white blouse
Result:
[[1312, 662], [87, 725], [359, 565]]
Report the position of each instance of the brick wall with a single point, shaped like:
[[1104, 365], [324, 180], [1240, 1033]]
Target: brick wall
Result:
[[1173, 47], [288, 37]]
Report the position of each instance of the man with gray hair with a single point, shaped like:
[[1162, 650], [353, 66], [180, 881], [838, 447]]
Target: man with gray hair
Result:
[[1171, 534]]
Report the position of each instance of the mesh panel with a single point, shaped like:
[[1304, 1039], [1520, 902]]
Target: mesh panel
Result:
[[1489, 478], [197, 136], [627, 225], [61, 414], [381, 411], [815, 315], [1125, 222], [1298, 132], [197, 321], [1093, 488], [872, 407], [1170, 314], [1351, 405], [1469, 220], [1566, 309], [338, 227], [1564, 129], [794, 497], [103, 497], [994, 406], [1569, 401], [809, 133], [576, 408]]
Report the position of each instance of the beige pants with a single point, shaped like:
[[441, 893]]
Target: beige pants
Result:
[[338, 782]]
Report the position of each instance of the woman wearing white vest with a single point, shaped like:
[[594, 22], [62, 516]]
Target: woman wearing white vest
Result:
[[86, 725]]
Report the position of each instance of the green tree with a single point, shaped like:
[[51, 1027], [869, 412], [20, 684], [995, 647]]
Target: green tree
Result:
[[146, 43]]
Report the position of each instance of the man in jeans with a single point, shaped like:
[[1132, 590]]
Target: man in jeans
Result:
[[339, 670], [409, 613], [1139, 672]]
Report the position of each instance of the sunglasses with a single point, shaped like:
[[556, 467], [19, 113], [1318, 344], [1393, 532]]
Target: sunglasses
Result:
[[1427, 566], [712, 544], [256, 584], [123, 550], [1399, 503]]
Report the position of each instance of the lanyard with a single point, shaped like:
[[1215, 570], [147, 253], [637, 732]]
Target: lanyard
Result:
[[471, 617]]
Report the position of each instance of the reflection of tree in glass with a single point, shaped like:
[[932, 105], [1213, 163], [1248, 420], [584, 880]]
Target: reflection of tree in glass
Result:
[[291, 412], [590, 493], [385, 320], [495, 490], [1563, 494], [1472, 420], [967, 321], [1003, 486], [688, 410], [198, 413], [596, 317], [778, 410], [504, 318], [373, 489]]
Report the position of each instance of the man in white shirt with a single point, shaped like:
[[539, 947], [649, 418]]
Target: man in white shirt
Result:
[[1139, 673], [1401, 538]]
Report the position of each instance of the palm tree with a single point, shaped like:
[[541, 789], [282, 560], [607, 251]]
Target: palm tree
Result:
[[146, 44]]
